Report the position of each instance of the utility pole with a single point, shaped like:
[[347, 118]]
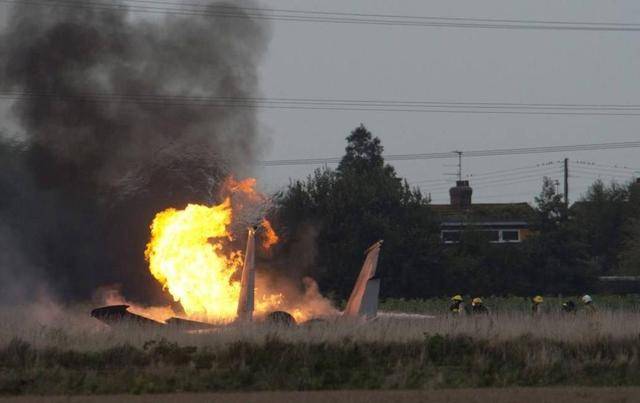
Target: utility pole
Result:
[[566, 183]]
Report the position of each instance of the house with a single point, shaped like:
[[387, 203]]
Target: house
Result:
[[501, 222]]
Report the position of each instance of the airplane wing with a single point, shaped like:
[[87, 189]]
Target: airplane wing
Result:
[[248, 281], [118, 314], [363, 301], [115, 315]]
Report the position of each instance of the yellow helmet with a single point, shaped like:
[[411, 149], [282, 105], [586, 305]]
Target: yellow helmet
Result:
[[476, 301], [457, 298], [538, 299]]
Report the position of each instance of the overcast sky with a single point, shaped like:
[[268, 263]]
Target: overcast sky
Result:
[[320, 60], [347, 61]]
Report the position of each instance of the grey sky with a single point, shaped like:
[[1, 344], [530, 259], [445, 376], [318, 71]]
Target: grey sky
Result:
[[345, 61], [319, 60]]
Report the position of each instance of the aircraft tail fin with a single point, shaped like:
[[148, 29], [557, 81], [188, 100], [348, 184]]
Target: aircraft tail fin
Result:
[[248, 281], [363, 301]]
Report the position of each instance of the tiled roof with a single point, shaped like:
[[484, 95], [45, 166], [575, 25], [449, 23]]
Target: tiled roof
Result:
[[485, 212]]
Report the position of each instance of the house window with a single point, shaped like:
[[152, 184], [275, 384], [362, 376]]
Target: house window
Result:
[[510, 236], [493, 236], [451, 236]]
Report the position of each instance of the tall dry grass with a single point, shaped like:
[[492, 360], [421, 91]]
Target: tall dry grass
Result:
[[520, 395], [64, 351], [72, 328]]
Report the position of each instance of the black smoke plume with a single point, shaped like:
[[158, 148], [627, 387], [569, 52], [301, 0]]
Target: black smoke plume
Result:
[[82, 173]]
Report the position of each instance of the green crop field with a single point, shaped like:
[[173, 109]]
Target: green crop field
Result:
[[54, 351]]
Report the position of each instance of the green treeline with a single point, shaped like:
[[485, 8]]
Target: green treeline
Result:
[[328, 219], [437, 361]]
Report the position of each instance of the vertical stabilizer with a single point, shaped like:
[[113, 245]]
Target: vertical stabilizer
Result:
[[247, 284], [363, 301]]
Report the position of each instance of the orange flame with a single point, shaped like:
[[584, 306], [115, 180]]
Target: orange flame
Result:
[[271, 238], [185, 255], [188, 256], [246, 187]]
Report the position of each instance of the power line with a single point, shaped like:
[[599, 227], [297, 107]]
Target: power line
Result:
[[593, 178], [515, 180], [526, 180], [475, 153], [166, 100], [539, 174], [514, 176], [491, 173], [478, 178], [426, 181], [377, 102], [617, 167], [224, 101], [260, 9], [600, 171], [478, 191], [500, 182], [509, 172], [191, 9]]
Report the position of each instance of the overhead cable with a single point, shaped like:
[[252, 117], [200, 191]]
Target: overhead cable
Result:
[[594, 165], [467, 154], [486, 175], [169, 100], [500, 171], [514, 176], [309, 16], [521, 179]]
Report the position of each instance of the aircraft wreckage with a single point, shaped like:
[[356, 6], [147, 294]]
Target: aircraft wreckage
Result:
[[362, 304]]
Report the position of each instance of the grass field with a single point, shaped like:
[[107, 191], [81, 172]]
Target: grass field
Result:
[[627, 303], [506, 395], [49, 350]]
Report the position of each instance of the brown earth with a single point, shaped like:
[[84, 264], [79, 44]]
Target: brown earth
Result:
[[508, 395]]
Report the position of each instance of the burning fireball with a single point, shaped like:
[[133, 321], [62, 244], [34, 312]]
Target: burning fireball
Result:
[[187, 256]]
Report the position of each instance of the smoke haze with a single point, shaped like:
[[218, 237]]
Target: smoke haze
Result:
[[82, 174]]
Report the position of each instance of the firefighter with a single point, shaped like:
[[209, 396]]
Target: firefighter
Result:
[[588, 304], [536, 304], [457, 305], [478, 307], [569, 306]]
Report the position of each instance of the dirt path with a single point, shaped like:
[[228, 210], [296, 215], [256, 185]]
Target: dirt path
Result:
[[519, 395]]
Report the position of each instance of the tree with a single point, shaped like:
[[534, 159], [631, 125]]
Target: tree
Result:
[[363, 154], [630, 251], [630, 254], [599, 218], [550, 206], [555, 259], [362, 201]]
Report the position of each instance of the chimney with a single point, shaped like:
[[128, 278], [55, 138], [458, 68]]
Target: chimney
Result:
[[461, 195]]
